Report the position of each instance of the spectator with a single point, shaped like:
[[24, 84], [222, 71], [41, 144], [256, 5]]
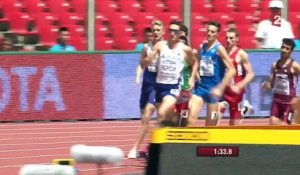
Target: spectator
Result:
[[7, 45], [148, 36], [62, 41], [297, 40], [270, 32]]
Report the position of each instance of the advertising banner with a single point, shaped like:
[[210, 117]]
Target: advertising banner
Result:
[[51, 87]]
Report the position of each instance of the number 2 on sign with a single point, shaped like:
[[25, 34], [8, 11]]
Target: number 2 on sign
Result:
[[276, 20]]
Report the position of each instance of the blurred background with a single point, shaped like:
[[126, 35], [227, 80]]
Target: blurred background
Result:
[[31, 25]]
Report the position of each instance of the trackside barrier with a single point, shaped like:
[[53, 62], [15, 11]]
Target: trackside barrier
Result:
[[92, 85]]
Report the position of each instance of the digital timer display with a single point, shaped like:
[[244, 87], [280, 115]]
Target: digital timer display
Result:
[[218, 151]]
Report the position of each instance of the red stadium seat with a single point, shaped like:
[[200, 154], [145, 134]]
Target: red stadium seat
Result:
[[48, 35], [130, 6], [294, 5], [167, 17], [246, 6], [119, 30], [80, 6], [223, 6], [66, 18], [59, 6], [45, 19], [35, 6], [119, 18], [76, 31], [19, 23], [11, 6], [202, 7], [242, 17], [196, 41], [79, 43], [154, 6], [143, 18], [174, 6], [126, 43], [106, 6], [247, 42], [140, 31], [245, 30], [102, 31], [104, 43]]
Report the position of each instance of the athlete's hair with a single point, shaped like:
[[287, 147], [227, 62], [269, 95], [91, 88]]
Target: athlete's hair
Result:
[[147, 30], [184, 29], [234, 30], [158, 22], [216, 24], [289, 42], [185, 40]]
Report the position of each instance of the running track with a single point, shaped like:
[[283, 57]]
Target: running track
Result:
[[40, 143]]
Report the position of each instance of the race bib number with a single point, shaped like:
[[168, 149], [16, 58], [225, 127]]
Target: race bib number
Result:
[[282, 84], [206, 67]]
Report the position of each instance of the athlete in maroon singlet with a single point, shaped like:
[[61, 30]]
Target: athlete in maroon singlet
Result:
[[233, 94], [283, 79]]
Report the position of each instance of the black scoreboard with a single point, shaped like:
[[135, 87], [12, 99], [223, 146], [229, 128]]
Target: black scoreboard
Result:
[[256, 150]]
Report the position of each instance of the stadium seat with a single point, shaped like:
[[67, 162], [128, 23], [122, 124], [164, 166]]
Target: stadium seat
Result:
[[126, 43], [101, 19], [174, 6], [202, 7], [104, 43], [106, 6], [79, 43], [35, 6], [140, 31], [130, 6], [59, 6], [196, 41], [66, 18], [294, 5], [242, 17], [76, 31], [245, 30], [120, 18], [154, 6], [294, 17], [102, 31], [223, 6], [119, 30], [19, 23], [79, 6], [246, 6], [167, 17], [11, 6], [48, 34], [41, 19], [198, 18], [247, 42], [198, 30], [143, 18]]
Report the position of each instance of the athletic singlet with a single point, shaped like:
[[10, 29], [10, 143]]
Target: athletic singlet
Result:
[[185, 76], [240, 72], [212, 68], [170, 64], [284, 83], [149, 75]]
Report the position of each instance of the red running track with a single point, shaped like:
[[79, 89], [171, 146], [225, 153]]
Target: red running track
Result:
[[40, 143]]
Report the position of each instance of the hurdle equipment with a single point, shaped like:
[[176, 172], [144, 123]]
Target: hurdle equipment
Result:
[[98, 155], [39, 169], [70, 162], [226, 150]]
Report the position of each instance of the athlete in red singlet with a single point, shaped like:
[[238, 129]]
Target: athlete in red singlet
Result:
[[233, 94], [283, 79]]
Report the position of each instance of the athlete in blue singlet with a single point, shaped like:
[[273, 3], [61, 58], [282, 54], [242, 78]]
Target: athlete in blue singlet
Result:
[[215, 70], [147, 99]]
